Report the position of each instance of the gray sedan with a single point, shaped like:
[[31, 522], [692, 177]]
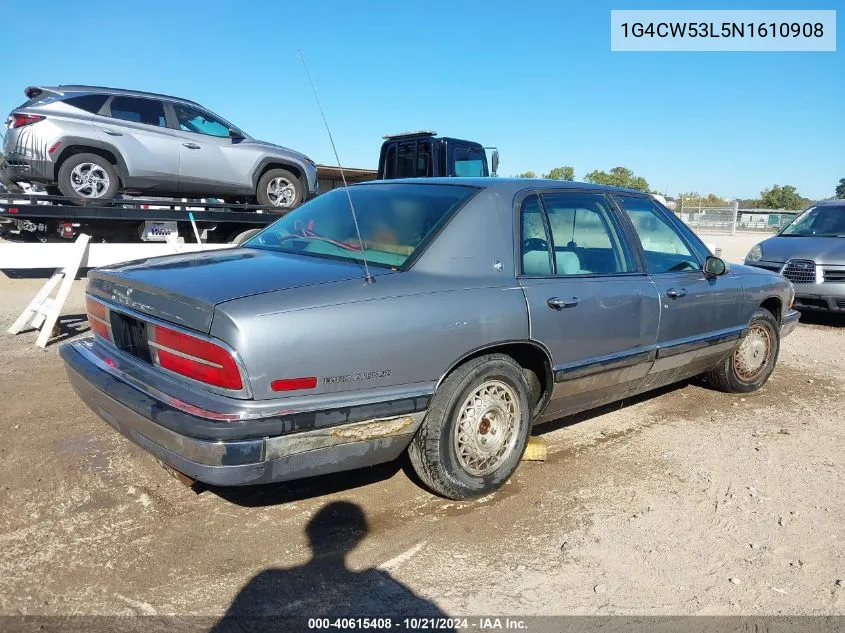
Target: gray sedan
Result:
[[445, 317], [810, 252]]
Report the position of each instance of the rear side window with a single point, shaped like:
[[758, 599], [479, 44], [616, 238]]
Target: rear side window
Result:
[[89, 103], [587, 239], [148, 111]]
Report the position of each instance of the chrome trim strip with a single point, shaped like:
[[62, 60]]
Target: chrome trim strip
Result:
[[176, 352], [314, 403], [700, 343], [610, 363], [245, 393]]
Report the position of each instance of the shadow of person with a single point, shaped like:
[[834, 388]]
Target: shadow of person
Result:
[[324, 587]]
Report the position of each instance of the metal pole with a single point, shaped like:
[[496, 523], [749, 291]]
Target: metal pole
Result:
[[736, 213]]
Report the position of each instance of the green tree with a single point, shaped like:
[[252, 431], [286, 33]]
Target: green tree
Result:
[[785, 197], [527, 174], [840, 189], [618, 177], [561, 173]]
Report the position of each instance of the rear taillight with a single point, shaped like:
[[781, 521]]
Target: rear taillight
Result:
[[98, 319], [19, 120], [194, 358]]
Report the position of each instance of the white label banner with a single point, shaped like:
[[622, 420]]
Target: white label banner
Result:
[[708, 30]]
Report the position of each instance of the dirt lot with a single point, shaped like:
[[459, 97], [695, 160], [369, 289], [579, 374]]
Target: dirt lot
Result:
[[650, 507]]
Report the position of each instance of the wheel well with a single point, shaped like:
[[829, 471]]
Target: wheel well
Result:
[[528, 356], [72, 150], [773, 305], [296, 171]]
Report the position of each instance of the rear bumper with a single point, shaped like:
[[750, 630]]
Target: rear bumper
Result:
[[789, 322], [234, 462]]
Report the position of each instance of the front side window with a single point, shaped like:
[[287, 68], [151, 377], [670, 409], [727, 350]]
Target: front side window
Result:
[[585, 237], [665, 251], [395, 220], [199, 122], [818, 222], [138, 110], [469, 162]]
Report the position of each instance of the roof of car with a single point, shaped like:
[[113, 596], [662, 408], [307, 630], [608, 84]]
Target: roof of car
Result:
[[507, 184], [834, 202], [121, 91]]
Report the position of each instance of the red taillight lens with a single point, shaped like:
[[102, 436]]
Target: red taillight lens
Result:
[[19, 120], [97, 319], [195, 358]]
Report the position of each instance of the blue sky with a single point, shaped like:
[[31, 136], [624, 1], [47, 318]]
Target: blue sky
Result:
[[536, 79]]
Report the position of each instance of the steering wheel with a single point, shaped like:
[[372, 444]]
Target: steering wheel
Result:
[[535, 244]]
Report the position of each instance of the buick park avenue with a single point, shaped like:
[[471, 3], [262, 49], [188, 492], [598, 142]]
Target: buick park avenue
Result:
[[445, 318]]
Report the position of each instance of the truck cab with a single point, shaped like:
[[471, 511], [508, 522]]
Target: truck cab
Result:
[[425, 155]]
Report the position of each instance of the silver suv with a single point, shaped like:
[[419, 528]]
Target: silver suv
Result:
[[88, 142]]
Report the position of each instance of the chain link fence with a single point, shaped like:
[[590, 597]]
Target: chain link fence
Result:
[[732, 219]]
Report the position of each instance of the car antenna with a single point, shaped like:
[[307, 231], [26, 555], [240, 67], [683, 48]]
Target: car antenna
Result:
[[367, 276]]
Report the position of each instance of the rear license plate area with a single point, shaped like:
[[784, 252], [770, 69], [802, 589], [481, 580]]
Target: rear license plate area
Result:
[[130, 335]]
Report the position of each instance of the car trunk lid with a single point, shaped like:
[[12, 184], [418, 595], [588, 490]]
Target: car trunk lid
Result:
[[183, 289]]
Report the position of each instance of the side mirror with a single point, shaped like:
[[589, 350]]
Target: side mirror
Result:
[[235, 135], [495, 162], [715, 266]]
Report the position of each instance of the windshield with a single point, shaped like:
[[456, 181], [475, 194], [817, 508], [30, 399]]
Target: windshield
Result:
[[394, 219], [818, 222]]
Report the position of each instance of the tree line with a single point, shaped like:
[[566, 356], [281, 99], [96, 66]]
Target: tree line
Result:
[[775, 197]]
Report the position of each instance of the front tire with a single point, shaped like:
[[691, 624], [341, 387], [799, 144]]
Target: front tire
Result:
[[751, 363], [280, 189], [88, 178], [476, 429]]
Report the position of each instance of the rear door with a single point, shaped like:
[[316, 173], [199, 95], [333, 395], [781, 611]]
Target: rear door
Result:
[[700, 314], [137, 128], [589, 302]]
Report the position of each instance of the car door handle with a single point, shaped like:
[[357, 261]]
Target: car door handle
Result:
[[191, 145], [560, 304], [676, 294], [113, 133]]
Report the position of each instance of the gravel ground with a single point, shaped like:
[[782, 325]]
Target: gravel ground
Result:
[[683, 501]]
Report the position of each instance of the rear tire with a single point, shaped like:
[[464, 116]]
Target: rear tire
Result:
[[751, 363], [476, 429], [280, 189], [88, 179]]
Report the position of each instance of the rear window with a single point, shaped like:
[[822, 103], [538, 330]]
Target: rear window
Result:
[[395, 221], [89, 103]]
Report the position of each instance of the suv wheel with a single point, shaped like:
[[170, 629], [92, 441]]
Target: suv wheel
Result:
[[88, 177], [279, 188], [476, 429]]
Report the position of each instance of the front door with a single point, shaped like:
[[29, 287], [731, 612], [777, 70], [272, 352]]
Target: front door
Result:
[[700, 314], [210, 160], [589, 303]]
